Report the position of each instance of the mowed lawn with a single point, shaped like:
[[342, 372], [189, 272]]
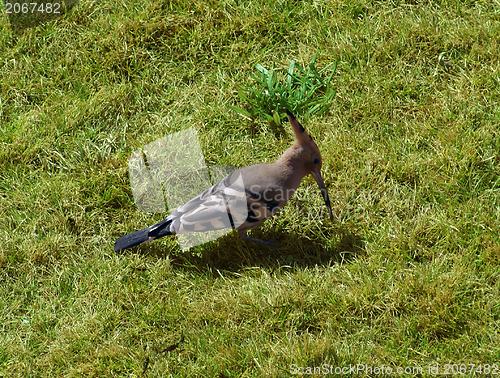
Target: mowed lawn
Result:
[[406, 276]]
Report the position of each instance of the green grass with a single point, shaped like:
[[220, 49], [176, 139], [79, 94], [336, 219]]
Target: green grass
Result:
[[302, 92], [406, 276]]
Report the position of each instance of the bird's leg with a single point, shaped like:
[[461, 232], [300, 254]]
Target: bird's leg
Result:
[[243, 235]]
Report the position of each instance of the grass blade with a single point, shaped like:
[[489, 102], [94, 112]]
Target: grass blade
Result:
[[241, 112]]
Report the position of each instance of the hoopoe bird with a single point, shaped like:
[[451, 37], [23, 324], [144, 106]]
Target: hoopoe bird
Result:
[[244, 199]]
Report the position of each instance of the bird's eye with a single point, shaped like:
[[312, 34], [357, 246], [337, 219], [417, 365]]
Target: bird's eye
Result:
[[316, 161]]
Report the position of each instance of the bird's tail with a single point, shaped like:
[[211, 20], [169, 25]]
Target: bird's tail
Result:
[[131, 240], [143, 236]]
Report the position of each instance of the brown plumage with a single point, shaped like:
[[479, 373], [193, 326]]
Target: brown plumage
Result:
[[244, 199]]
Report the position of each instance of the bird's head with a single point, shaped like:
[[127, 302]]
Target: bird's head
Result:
[[310, 156]]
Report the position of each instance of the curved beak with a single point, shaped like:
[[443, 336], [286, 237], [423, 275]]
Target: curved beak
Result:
[[324, 192]]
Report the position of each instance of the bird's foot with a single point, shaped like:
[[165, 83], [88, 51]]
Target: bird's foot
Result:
[[269, 243]]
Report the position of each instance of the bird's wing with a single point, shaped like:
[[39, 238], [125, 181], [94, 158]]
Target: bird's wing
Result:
[[231, 203], [224, 205]]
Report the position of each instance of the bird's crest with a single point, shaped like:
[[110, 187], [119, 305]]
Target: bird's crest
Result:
[[301, 135]]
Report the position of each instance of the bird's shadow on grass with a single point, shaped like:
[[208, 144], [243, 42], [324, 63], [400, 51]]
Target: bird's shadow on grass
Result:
[[233, 255]]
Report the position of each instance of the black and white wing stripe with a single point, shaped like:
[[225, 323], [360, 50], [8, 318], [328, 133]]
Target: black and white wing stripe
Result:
[[224, 205]]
